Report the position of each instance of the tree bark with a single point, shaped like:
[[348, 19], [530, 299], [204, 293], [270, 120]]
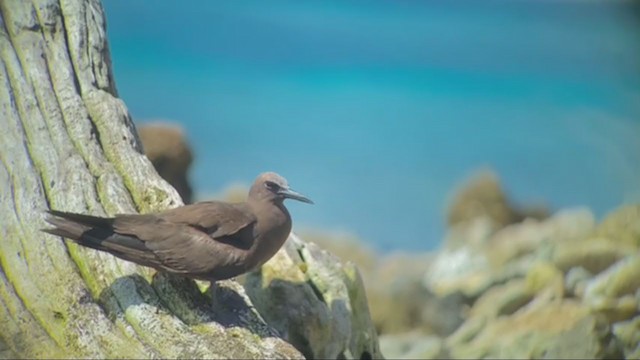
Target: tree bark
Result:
[[68, 143]]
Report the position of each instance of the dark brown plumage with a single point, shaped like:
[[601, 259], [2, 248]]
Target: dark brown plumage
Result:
[[210, 240]]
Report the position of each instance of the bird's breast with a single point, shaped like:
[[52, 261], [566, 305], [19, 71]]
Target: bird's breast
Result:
[[270, 234]]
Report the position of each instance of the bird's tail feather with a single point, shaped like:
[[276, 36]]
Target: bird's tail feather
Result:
[[64, 226], [87, 220], [97, 233], [78, 227]]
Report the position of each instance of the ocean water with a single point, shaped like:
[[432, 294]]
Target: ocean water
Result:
[[378, 110]]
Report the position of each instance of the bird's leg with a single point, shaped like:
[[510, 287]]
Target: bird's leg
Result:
[[213, 290]]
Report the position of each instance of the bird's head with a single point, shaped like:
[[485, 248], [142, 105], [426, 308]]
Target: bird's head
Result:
[[272, 187]]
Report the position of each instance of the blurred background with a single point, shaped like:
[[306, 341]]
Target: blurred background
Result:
[[378, 110]]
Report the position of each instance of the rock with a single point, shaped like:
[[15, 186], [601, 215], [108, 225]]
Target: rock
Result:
[[483, 196], [622, 226], [396, 283], [222, 316], [459, 265], [524, 334], [444, 315], [622, 278], [539, 237], [397, 297], [575, 281], [348, 248], [398, 270], [544, 276], [569, 224], [615, 309], [616, 237], [408, 295], [169, 151], [467, 332], [475, 232], [412, 345], [614, 292], [317, 303], [476, 256], [594, 255], [628, 334], [590, 338], [542, 288], [421, 308], [502, 300]]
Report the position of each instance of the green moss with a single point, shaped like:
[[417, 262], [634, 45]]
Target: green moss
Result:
[[152, 196], [35, 303], [85, 269], [148, 198], [18, 320], [203, 286]]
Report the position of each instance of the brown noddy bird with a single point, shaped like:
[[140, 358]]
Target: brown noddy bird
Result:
[[210, 240]]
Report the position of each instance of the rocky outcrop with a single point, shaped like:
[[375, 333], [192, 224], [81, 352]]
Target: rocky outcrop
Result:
[[483, 196], [393, 283], [564, 287], [165, 144], [514, 282], [315, 301], [535, 286]]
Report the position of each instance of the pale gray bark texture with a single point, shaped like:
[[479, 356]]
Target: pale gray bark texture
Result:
[[67, 142]]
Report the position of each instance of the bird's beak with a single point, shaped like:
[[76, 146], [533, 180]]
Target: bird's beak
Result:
[[290, 194]]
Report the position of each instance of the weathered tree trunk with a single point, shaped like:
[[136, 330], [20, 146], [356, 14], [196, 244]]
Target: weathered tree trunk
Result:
[[68, 143]]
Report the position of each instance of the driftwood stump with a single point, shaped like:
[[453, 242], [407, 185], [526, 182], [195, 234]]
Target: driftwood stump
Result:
[[67, 142]]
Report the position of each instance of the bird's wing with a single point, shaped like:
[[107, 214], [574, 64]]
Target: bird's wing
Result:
[[195, 237], [179, 247], [217, 219]]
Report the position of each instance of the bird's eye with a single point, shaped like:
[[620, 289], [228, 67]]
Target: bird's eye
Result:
[[271, 185]]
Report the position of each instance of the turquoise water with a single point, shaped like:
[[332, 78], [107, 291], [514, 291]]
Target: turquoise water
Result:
[[377, 110]]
